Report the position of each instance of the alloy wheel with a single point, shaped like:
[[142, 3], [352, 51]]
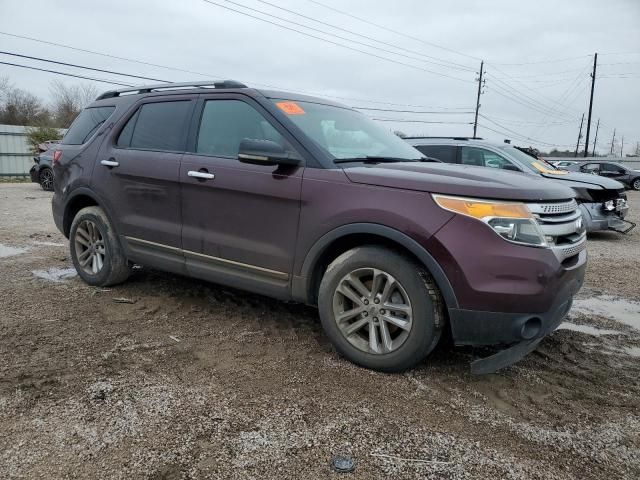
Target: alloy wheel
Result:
[[636, 184], [46, 179], [372, 310], [90, 248]]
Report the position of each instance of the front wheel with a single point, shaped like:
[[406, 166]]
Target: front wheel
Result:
[[635, 184], [95, 249], [380, 309]]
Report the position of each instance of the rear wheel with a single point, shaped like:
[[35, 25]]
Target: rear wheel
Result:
[[380, 309], [45, 178], [635, 184], [95, 249]]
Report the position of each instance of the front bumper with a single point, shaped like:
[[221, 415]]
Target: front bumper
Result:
[[481, 328], [34, 173], [597, 219], [509, 296]]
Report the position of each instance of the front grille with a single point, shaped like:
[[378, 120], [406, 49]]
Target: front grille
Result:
[[562, 225]]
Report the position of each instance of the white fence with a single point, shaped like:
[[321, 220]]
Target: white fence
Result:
[[16, 157]]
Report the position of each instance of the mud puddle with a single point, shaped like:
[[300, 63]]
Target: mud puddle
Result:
[[55, 274], [588, 329], [609, 306], [7, 251]]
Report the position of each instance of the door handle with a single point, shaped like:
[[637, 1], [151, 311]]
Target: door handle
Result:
[[201, 175], [109, 163]]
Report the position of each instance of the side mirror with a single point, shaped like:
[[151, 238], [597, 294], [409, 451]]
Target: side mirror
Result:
[[265, 152], [511, 168]]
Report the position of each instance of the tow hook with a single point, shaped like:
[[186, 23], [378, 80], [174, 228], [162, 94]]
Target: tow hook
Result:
[[624, 230]]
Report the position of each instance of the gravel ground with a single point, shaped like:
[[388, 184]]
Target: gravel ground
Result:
[[166, 377]]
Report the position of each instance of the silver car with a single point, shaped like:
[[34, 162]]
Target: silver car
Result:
[[603, 201]]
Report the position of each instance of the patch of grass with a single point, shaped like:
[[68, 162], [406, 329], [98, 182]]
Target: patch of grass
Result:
[[24, 179]]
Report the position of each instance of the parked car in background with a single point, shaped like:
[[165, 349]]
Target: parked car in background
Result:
[[41, 172], [602, 201], [303, 199], [563, 163], [614, 170], [44, 146]]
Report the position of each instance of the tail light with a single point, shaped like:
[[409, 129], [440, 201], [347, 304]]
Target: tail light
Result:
[[57, 155]]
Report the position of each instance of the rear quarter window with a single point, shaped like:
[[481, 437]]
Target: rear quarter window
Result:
[[86, 124]]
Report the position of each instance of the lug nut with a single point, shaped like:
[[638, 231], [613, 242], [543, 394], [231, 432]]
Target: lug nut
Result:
[[382, 311], [366, 302], [376, 300], [366, 314]]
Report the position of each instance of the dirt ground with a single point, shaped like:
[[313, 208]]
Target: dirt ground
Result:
[[165, 377]]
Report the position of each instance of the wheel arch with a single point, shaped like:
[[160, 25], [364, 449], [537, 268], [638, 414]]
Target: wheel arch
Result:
[[334, 243], [81, 198]]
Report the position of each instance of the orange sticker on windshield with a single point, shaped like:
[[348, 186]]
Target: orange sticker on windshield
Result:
[[290, 108], [543, 169]]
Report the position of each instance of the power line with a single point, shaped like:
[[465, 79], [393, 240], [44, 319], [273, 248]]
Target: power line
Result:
[[313, 29], [556, 60], [526, 103], [66, 74], [447, 63], [412, 111], [513, 132], [368, 22], [141, 62], [403, 120], [82, 67], [521, 138], [331, 41], [207, 75]]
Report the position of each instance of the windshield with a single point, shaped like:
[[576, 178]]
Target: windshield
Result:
[[529, 161], [345, 133]]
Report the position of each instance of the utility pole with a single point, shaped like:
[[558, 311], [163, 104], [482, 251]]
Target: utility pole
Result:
[[595, 140], [622, 147], [593, 84], [579, 136], [475, 123], [613, 139]]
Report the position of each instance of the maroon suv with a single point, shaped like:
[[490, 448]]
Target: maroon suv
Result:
[[303, 199]]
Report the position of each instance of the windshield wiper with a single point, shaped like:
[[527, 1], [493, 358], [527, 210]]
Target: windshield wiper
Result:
[[377, 159]]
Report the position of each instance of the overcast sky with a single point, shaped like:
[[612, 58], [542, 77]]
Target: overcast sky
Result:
[[538, 56]]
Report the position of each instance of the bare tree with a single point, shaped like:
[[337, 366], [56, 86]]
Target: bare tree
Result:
[[18, 107], [68, 101], [4, 88]]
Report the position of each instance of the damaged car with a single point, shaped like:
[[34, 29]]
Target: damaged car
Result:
[[602, 201]]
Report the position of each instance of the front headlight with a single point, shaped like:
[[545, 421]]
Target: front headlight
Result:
[[513, 221], [609, 205]]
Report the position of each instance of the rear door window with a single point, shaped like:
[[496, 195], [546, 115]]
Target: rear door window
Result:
[[482, 158], [444, 153], [86, 124], [157, 126], [611, 167]]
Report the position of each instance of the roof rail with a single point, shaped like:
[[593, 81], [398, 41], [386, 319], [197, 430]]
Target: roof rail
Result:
[[448, 138], [171, 86]]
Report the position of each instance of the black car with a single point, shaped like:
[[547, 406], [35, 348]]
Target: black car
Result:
[[41, 172], [630, 178]]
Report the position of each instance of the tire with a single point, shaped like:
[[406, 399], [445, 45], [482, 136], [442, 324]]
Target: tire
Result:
[[410, 337], [635, 184], [92, 237], [45, 179]]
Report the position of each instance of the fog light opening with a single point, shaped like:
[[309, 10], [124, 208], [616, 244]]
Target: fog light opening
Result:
[[531, 328]]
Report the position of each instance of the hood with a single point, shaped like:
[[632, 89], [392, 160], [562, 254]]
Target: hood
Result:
[[461, 180], [585, 180]]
